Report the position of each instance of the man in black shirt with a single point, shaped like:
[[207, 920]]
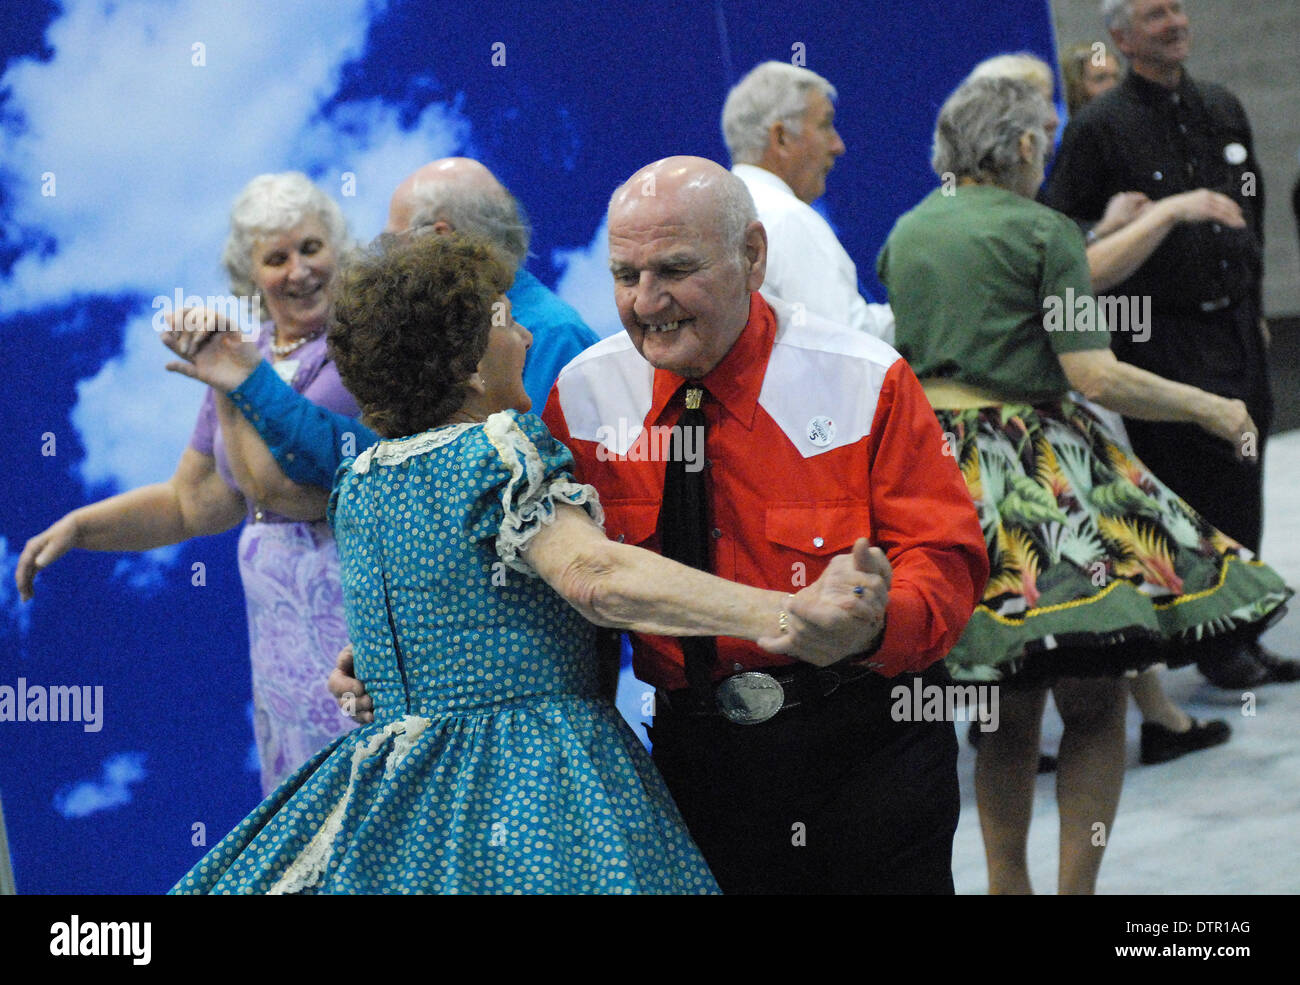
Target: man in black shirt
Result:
[[1161, 133]]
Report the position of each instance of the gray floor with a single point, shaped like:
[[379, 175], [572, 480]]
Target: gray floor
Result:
[[1222, 821]]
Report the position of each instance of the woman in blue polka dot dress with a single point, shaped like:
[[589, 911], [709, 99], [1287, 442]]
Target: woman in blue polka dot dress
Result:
[[493, 764]]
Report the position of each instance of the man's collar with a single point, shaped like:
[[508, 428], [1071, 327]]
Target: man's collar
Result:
[[737, 380], [762, 176], [1153, 92]]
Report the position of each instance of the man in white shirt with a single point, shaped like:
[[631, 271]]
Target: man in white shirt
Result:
[[779, 126]]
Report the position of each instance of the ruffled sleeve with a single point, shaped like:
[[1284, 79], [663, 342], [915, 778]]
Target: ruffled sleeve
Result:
[[523, 473]]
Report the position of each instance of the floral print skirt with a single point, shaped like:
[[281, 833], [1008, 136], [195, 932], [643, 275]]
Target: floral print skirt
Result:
[[1096, 566]]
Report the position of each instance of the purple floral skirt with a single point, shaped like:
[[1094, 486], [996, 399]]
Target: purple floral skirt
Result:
[[295, 631]]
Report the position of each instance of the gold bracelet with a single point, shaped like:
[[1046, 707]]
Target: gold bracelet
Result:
[[782, 620]]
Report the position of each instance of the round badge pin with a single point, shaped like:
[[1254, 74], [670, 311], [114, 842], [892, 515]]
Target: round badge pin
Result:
[[1234, 153], [821, 431]]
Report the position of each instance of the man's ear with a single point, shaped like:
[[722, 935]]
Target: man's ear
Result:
[[1120, 37], [776, 135], [475, 382], [755, 255], [1027, 149], [442, 227]]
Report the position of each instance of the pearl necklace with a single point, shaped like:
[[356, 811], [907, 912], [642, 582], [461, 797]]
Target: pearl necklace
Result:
[[294, 346]]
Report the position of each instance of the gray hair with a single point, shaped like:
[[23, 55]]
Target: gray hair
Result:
[[271, 204], [736, 209], [1116, 14], [492, 213], [771, 92], [1021, 65], [978, 131]]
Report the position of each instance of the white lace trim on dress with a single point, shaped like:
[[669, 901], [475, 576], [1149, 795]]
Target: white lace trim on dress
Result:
[[527, 499], [395, 451], [307, 868]]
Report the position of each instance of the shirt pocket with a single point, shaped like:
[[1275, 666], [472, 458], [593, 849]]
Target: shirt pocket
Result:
[[631, 521], [818, 529]]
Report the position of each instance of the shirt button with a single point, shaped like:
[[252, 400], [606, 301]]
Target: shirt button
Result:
[[1159, 176], [257, 516], [620, 538], [289, 456], [1223, 264], [818, 542], [716, 533]]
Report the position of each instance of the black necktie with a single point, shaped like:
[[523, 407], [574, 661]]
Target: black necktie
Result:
[[684, 524]]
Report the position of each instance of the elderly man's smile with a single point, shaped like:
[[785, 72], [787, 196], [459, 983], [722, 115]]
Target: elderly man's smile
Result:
[[669, 326]]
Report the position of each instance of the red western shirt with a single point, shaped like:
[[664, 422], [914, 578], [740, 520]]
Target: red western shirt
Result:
[[817, 435]]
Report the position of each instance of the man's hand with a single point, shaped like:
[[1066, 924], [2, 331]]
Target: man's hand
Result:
[[349, 692], [215, 351], [841, 613]]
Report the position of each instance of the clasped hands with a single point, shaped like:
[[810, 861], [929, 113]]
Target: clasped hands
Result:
[[214, 350], [838, 615]]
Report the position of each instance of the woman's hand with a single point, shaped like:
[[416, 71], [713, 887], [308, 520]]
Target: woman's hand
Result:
[[1203, 205], [1122, 209], [1229, 419], [215, 351], [43, 550]]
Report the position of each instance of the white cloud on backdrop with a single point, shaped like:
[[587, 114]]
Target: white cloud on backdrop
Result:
[[586, 282], [112, 790]]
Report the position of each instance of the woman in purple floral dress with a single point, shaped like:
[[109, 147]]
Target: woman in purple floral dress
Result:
[[285, 239]]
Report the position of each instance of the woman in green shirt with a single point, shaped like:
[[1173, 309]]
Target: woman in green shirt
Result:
[[1095, 564]]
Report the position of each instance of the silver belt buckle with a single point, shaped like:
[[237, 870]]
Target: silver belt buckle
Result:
[[749, 698]]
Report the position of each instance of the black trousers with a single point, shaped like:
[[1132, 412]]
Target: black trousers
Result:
[[835, 797], [1204, 471], [1223, 353]]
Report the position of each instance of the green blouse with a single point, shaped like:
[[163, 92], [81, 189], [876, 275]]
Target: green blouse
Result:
[[987, 288]]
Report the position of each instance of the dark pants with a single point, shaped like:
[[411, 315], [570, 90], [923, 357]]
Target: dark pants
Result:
[[1204, 471], [831, 798]]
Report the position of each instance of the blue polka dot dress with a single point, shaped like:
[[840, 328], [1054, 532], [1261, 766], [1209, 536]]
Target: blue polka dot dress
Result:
[[492, 765]]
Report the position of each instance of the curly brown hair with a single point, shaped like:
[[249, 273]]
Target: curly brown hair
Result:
[[409, 324]]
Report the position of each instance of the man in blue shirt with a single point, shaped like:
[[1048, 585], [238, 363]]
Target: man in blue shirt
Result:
[[458, 194]]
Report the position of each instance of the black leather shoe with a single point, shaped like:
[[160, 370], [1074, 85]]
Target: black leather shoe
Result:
[[1160, 744], [1235, 671], [1280, 670], [1046, 762]]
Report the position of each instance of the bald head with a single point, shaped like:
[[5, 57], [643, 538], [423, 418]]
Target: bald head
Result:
[[711, 195], [685, 250], [459, 194]]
